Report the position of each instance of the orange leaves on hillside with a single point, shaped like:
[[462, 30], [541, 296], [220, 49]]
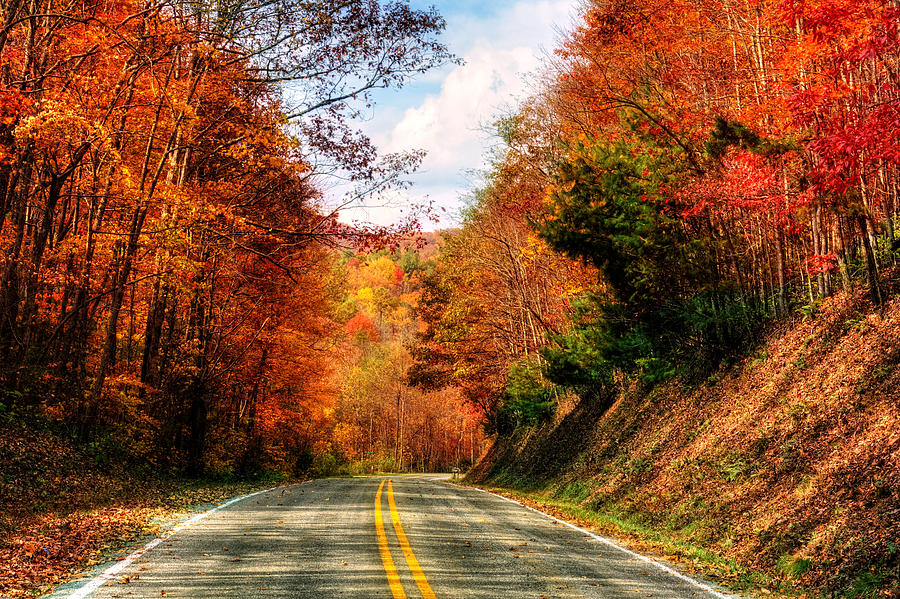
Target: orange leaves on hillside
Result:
[[361, 324]]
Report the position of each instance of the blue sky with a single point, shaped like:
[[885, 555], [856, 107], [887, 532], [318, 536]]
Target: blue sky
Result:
[[444, 112]]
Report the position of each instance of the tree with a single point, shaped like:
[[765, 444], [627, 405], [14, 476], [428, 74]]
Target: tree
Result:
[[160, 219]]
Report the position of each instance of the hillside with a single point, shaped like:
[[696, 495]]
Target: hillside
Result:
[[787, 463]]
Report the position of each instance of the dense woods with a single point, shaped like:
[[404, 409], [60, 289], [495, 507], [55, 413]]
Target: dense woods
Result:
[[170, 280], [382, 421], [177, 296], [685, 173]]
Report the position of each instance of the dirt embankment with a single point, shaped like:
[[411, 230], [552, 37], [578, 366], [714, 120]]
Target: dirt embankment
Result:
[[787, 463]]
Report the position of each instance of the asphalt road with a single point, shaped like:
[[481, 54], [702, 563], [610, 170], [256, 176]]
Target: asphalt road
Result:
[[343, 538]]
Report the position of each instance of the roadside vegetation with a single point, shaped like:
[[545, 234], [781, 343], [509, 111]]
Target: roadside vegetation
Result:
[[674, 295], [671, 303], [65, 505], [779, 471]]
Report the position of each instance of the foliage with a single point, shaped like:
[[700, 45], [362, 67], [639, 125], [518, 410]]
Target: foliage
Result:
[[381, 420], [528, 399], [605, 207], [660, 310], [498, 292], [168, 279]]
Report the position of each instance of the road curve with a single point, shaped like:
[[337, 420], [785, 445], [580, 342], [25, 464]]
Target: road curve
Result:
[[391, 537]]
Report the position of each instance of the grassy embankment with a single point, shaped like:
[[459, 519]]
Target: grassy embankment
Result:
[[64, 506], [780, 473]]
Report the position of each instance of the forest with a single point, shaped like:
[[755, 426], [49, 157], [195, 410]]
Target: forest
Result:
[[687, 174], [177, 295], [172, 282]]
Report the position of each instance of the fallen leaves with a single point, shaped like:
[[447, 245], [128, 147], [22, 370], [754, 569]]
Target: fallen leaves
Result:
[[87, 511], [833, 472]]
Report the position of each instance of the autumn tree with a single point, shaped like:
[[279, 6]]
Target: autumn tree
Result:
[[382, 420], [160, 213], [498, 293]]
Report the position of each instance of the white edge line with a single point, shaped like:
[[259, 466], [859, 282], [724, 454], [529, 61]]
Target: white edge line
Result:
[[614, 545], [109, 574]]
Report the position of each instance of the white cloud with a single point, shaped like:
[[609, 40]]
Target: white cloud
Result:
[[449, 124], [499, 53]]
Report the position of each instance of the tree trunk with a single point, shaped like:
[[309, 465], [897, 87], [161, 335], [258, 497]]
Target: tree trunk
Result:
[[871, 264], [107, 358], [782, 299]]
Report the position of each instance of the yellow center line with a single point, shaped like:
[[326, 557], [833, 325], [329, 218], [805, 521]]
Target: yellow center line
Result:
[[386, 559], [411, 560]]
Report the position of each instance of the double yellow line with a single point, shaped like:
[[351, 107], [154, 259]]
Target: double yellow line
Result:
[[383, 548]]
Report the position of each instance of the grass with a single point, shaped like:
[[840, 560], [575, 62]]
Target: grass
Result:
[[865, 585], [792, 566], [682, 541]]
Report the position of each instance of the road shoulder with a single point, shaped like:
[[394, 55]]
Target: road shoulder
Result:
[[697, 564], [155, 523]]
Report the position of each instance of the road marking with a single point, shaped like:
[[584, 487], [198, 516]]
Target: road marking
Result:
[[110, 573], [417, 573], [614, 545], [386, 559]]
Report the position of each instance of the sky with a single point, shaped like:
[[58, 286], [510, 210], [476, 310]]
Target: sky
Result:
[[445, 112]]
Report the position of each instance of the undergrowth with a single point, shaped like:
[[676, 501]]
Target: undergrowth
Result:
[[781, 471]]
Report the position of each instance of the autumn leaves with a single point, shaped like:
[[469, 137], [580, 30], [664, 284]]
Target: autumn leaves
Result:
[[167, 276], [685, 172]]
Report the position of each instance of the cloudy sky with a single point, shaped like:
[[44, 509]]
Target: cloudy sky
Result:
[[444, 112]]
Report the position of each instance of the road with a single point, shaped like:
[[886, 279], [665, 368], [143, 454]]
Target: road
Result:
[[391, 537]]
